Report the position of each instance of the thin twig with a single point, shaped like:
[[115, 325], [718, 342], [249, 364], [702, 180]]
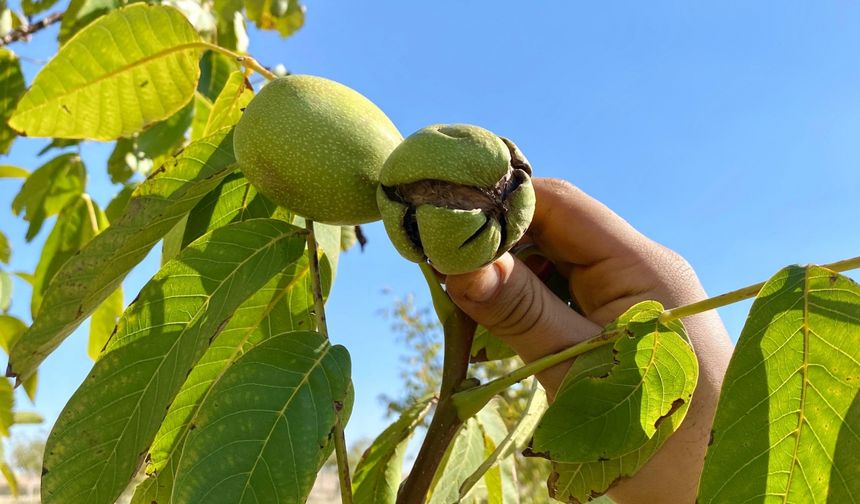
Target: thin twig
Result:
[[244, 60], [322, 327], [741, 294], [24, 32]]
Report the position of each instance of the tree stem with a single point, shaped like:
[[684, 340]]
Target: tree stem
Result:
[[25, 31], [741, 294], [322, 327], [459, 330]]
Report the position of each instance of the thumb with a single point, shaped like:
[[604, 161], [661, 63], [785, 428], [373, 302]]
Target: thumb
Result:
[[516, 307]]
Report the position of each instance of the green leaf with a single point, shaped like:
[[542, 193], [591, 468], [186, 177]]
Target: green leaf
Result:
[[7, 402], [498, 484], [80, 13], [33, 7], [103, 322], [59, 144], [477, 439], [117, 205], [215, 70], [202, 109], [280, 395], [231, 102], [76, 225], [787, 426], [11, 88], [486, 347], [233, 201], [165, 137], [130, 68], [5, 291], [285, 16], [100, 437], [231, 26], [284, 304], [577, 483], [378, 473], [27, 417], [90, 277], [5, 248], [8, 474], [516, 440], [652, 377], [48, 189], [11, 329], [123, 162], [7, 171]]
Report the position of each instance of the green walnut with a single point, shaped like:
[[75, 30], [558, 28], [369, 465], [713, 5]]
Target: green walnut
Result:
[[316, 147], [456, 195]]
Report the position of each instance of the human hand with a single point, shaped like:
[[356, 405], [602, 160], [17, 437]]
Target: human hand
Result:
[[610, 267]]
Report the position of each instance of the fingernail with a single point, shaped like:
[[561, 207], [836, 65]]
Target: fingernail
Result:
[[485, 284]]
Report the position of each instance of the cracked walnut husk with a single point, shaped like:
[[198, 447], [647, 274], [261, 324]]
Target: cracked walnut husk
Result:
[[457, 196]]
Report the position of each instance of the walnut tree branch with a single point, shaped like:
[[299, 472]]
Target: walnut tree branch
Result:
[[24, 32]]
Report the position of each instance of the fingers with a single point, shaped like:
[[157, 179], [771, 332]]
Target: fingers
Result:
[[515, 306], [572, 228]]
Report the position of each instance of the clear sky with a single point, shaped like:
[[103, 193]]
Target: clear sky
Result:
[[729, 131]]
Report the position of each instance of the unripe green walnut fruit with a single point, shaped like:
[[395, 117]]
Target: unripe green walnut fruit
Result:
[[316, 147], [457, 195]]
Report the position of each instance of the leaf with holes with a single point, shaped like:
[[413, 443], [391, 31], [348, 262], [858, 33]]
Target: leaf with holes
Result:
[[378, 473], [130, 68], [265, 429], [99, 440], [89, 277], [652, 376], [787, 426]]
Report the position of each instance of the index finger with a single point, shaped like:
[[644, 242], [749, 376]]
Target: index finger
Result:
[[574, 229]]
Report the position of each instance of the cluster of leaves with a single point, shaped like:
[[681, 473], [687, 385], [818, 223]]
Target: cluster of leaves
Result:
[[217, 365]]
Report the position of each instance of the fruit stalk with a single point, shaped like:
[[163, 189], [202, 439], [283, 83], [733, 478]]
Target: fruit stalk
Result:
[[322, 327], [459, 329]]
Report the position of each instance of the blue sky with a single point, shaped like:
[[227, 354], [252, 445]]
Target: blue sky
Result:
[[729, 131]]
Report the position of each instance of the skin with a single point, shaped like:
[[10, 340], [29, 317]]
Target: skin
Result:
[[610, 266]]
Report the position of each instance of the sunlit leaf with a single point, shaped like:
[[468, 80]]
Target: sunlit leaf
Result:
[[5, 291], [11, 329], [11, 88], [76, 225], [228, 14], [202, 109], [103, 322], [231, 102], [80, 13], [130, 68], [7, 402], [516, 440], [378, 473], [91, 276], [652, 376], [787, 426], [48, 189], [7, 171], [497, 484], [33, 7], [477, 439], [102, 434], [27, 417], [5, 248], [281, 393], [285, 16]]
